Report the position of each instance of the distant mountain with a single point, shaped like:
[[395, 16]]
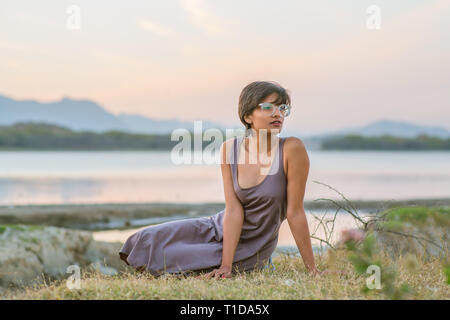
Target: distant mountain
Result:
[[86, 115], [141, 124], [74, 114], [390, 127]]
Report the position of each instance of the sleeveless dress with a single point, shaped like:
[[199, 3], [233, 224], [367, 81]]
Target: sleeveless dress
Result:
[[195, 244]]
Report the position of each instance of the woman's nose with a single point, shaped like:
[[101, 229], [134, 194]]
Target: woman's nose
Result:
[[277, 110]]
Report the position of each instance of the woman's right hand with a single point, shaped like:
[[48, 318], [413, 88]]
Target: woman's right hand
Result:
[[221, 272]]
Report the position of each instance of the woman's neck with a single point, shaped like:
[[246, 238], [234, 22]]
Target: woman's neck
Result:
[[261, 144]]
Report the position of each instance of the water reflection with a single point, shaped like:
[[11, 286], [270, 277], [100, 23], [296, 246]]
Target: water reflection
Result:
[[124, 177]]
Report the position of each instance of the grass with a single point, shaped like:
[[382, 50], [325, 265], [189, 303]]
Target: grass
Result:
[[420, 216], [406, 277], [289, 281], [19, 227]]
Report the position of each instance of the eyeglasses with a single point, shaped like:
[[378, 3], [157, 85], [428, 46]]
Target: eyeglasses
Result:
[[269, 108]]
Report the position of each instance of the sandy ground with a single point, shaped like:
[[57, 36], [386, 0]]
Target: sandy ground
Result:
[[79, 214]]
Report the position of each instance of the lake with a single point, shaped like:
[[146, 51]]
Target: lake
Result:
[[83, 177], [64, 177]]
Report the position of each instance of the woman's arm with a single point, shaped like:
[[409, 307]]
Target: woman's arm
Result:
[[297, 175], [234, 212], [232, 226], [233, 218]]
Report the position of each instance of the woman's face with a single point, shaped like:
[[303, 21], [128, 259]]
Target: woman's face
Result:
[[260, 119]]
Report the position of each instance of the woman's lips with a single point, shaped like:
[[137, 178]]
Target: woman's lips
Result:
[[276, 123]]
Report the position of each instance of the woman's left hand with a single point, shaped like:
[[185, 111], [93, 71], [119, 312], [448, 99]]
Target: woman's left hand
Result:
[[222, 272]]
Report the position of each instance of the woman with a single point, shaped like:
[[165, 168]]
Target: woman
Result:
[[243, 236]]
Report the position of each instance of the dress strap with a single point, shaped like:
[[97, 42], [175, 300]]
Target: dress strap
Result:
[[235, 150], [234, 161], [282, 140]]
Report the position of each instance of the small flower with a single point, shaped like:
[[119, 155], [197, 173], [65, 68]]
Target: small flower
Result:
[[356, 235]]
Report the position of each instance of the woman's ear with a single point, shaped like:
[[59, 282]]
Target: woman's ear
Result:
[[248, 119]]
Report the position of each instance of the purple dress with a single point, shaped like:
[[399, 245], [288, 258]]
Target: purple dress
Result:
[[195, 244]]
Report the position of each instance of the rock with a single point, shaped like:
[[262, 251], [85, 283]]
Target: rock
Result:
[[98, 266], [425, 242], [105, 252], [29, 254], [419, 231]]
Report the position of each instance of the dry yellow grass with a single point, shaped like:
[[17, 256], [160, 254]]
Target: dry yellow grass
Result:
[[288, 281]]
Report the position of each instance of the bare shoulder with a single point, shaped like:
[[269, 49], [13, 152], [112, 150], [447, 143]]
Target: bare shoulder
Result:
[[294, 147], [297, 160], [227, 148], [228, 142]]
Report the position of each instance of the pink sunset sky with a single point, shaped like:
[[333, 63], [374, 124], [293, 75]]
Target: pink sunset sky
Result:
[[190, 59]]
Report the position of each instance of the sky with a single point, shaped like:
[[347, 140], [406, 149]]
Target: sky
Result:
[[190, 59]]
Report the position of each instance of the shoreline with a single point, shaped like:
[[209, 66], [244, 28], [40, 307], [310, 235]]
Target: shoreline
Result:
[[107, 216], [285, 237]]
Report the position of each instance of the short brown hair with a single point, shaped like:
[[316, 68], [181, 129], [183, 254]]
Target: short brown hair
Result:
[[257, 91]]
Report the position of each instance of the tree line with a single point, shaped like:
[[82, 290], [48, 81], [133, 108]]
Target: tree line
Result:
[[45, 136], [385, 142]]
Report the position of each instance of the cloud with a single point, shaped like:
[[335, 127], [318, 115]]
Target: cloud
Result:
[[155, 28], [203, 19]]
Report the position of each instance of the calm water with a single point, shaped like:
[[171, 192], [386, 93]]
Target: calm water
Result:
[[59, 177]]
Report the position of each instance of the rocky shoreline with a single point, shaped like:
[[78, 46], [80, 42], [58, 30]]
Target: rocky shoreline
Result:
[[32, 254], [32, 249]]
